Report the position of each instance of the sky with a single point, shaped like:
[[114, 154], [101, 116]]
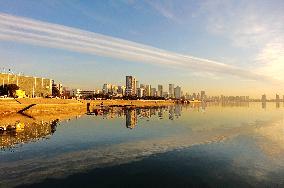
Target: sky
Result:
[[220, 46]]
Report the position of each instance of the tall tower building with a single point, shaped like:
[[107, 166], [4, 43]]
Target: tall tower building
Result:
[[148, 90], [107, 88], [263, 98], [160, 90], [171, 90], [277, 98], [177, 92], [130, 85], [202, 95]]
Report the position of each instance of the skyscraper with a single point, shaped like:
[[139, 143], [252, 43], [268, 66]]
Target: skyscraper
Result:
[[107, 88], [153, 92], [130, 86], [277, 98], [202, 95], [134, 82], [140, 92], [148, 90], [177, 92], [160, 90], [171, 90], [263, 98]]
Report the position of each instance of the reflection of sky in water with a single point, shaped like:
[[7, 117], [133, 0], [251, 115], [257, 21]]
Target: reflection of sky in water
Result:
[[246, 141]]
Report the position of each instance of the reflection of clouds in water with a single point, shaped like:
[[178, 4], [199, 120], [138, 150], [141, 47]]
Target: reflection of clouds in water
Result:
[[273, 135], [34, 169], [59, 165]]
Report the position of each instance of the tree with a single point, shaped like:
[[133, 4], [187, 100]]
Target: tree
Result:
[[55, 92], [9, 90]]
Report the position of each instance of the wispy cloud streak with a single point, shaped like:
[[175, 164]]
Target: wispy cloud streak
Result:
[[24, 30]]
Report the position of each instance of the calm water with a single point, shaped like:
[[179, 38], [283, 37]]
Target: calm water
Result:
[[210, 145]]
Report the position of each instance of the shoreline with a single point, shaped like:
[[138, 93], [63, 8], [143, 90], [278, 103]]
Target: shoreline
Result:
[[69, 106]]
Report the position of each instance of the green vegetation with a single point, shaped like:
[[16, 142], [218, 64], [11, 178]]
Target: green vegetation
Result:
[[9, 90]]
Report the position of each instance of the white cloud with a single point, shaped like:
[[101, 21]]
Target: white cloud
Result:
[[256, 26], [19, 29]]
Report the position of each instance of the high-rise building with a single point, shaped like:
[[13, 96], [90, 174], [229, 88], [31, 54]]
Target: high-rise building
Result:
[[263, 98], [130, 86], [153, 92], [121, 90], [194, 96], [140, 92], [107, 88], [202, 95], [160, 91], [177, 92], [137, 84], [277, 99], [171, 90], [134, 86], [148, 90]]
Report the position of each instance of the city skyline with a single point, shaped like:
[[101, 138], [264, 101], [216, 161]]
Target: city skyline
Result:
[[189, 43]]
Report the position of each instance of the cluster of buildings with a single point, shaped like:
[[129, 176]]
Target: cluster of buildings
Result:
[[132, 88], [146, 90], [31, 86], [277, 98]]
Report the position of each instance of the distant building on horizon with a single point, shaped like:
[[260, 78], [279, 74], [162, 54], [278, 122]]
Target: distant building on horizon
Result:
[[202, 95], [121, 90], [263, 98], [131, 87], [177, 92], [171, 90], [140, 92], [277, 98], [107, 88], [153, 92], [160, 91], [147, 90]]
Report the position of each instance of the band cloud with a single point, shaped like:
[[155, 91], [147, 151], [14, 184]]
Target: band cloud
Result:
[[34, 32]]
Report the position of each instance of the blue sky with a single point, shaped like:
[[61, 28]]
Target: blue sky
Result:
[[246, 36]]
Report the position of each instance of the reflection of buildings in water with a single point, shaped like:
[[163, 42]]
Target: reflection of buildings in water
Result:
[[131, 118], [203, 106], [234, 104], [145, 113], [263, 105], [277, 104], [152, 112], [177, 110], [171, 113], [160, 113], [25, 133], [107, 113]]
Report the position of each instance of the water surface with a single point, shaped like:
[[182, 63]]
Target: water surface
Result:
[[212, 145]]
